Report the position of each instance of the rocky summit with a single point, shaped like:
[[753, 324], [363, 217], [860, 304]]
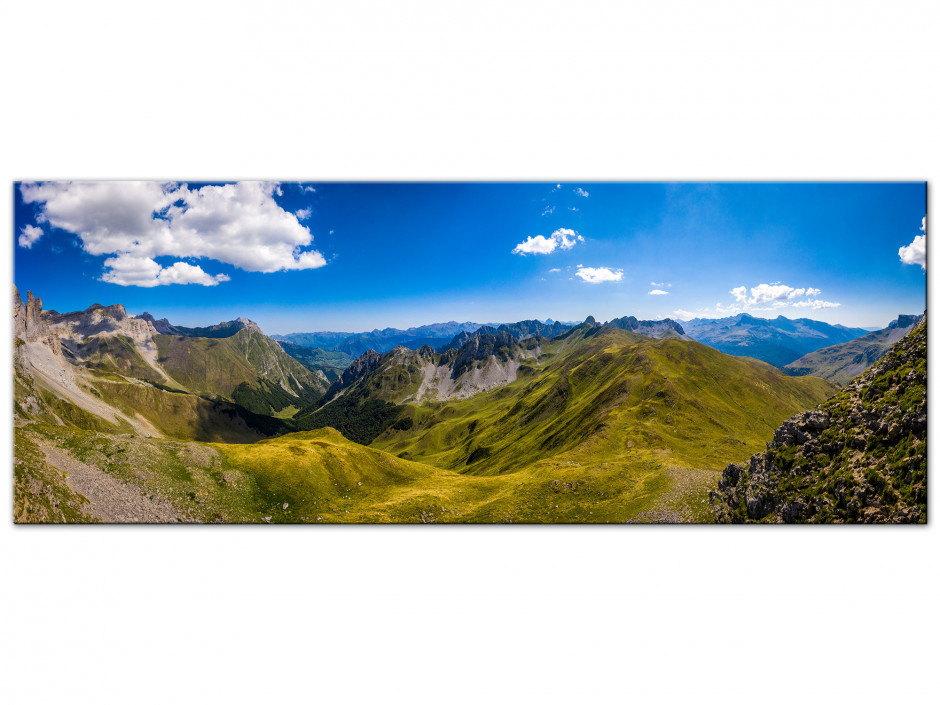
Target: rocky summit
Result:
[[859, 457]]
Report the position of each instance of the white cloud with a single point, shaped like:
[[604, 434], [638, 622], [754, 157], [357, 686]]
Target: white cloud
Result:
[[596, 275], [581, 192], [916, 252], [28, 235], [240, 224], [309, 189], [303, 213], [554, 269], [658, 292], [771, 297], [816, 304], [684, 315], [661, 284], [765, 293], [575, 209], [127, 270], [548, 210], [537, 245], [563, 238]]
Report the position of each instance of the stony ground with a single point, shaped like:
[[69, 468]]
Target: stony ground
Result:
[[685, 501], [109, 500]]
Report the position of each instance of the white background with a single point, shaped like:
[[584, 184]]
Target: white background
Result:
[[481, 90]]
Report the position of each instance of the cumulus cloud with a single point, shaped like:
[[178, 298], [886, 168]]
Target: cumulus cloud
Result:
[[29, 235], [658, 292], [127, 270], [553, 269], [815, 304], [581, 192], [916, 252], [684, 315], [596, 275], [660, 284], [303, 213], [239, 224], [768, 298], [563, 238]]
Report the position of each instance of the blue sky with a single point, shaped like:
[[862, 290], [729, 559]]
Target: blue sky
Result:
[[299, 257]]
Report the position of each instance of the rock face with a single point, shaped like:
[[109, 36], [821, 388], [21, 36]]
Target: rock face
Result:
[[29, 324], [859, 457], [359, 368], [485, 361]]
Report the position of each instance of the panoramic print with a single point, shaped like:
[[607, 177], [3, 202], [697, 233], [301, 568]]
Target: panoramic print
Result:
[[495, 353]]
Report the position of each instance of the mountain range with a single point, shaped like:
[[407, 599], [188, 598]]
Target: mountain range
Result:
[[130, 418], [778, 341]]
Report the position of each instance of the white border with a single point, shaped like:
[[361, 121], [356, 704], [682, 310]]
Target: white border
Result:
[[486, 90]]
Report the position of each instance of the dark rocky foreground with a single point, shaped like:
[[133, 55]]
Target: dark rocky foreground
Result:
[[859, 457]]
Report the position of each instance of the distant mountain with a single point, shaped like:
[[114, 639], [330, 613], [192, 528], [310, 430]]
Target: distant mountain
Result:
[[355, 344], [860, 457], [225, 329], [840, 363], [520, 330], [778, 341]]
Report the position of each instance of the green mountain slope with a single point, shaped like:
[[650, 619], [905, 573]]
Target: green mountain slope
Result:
[[859, 457], [609, 397], [247, 368], [841, 363]]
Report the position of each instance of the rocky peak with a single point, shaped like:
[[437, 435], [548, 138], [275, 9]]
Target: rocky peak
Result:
[[904, 321], [249, 325], [501, 344], [29, 324], [358, 368]]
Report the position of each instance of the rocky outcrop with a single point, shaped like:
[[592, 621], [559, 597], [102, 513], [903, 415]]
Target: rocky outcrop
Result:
[[859, 457], [358, 368], [161, 325], [29, 324]]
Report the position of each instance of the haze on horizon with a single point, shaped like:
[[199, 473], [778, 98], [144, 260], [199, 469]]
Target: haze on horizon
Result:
[[302, 257]]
